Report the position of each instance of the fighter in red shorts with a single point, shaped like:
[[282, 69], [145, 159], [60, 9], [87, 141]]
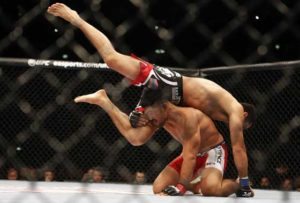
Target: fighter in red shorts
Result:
[[209, 163], [204, 153], [198, 93]]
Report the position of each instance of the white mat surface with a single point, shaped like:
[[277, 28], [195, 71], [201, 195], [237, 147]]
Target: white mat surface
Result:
[[66, 192]]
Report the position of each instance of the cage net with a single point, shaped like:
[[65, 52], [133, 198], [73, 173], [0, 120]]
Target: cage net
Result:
[[42, 128]]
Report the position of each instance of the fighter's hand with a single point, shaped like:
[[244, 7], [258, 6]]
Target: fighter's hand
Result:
[[137, 119], [245, 192], [63, 11], [177, 190], [245, 189], [97, 98]]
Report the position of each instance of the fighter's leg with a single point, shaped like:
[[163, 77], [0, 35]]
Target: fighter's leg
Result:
[[63, 11], [98, 98], [123, 64], [168, 176], [212, 184]]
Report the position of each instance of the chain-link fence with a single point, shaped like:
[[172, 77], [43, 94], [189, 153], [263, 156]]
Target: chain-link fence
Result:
[[172, 32], [273, 142], [42, 128]]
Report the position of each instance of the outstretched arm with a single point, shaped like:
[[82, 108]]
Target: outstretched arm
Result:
[[238, 145], [123, 64], [136, 136], [190, 148], [240, 153]]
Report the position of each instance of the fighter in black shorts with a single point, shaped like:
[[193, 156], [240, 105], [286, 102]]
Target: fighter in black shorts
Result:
[[156, 77], [199, 93]]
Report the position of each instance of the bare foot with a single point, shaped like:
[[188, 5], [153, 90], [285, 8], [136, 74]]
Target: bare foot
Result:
[[98, 98], [63, 11]]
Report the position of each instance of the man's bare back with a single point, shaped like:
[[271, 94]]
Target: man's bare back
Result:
[[208, 97], [180, 120]]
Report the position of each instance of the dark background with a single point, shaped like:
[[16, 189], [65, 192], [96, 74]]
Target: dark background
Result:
[[201, 33], [38, 115]]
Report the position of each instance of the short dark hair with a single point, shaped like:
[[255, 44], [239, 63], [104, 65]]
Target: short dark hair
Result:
[[152, 96], [250, 109]]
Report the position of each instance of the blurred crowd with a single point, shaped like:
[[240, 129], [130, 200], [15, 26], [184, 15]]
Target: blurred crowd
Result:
[[92, 175], [279, 179]]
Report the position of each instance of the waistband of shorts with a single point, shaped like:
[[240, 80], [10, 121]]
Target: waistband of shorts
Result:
[[210, 148]]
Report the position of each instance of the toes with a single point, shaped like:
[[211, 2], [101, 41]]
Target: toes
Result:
[[56, 6], [80, 99]]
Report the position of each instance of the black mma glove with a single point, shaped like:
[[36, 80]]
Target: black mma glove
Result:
[[245, 189], [135, 116], [177, 190]]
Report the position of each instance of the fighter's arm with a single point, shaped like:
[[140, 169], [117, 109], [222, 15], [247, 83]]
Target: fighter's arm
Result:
[[123, 64], [136, 136], [190, 148], [237, 142], [239, 153]]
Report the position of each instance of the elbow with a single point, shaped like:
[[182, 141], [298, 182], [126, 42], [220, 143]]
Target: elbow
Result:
[[134, 140], [135, 143]]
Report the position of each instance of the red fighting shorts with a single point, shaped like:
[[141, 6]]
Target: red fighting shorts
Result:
[[145, 69], [216, 157]]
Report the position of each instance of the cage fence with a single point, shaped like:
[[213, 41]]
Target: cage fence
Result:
[[43, 128]]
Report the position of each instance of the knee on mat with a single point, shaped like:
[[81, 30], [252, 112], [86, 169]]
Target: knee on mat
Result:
[[156, 189], [211, 191]]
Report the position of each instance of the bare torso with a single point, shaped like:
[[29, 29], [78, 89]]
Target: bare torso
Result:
[[208, 97], [177, 122]]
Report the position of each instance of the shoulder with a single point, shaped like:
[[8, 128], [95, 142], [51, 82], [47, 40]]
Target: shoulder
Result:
[[191, 112], [192, 116], [192, 122]]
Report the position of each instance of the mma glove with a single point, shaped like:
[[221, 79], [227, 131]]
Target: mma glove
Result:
[[135, 116], [177, 190], [245, 189]]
